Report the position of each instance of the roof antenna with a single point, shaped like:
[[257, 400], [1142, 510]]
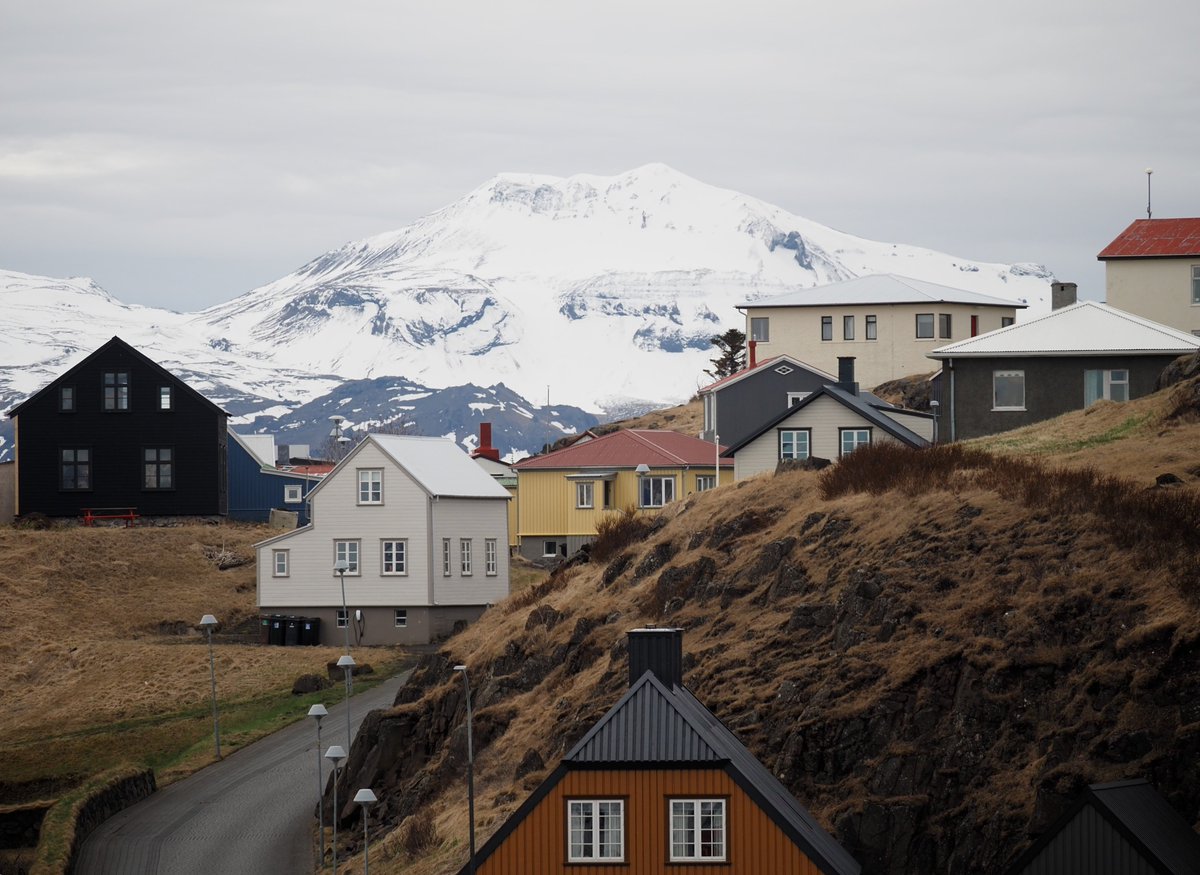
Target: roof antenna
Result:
[[1149, 173]]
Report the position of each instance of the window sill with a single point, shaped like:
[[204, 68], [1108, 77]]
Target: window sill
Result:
[[1008, 410]]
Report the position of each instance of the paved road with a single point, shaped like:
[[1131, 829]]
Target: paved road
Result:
[[250, 813]]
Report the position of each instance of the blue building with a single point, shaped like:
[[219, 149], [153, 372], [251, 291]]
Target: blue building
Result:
[[256, 486]]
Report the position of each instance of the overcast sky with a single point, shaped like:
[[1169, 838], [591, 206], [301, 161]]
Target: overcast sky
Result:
[[183, 153]]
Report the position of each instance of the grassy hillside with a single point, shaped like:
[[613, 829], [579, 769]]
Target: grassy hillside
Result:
[[935, 651]]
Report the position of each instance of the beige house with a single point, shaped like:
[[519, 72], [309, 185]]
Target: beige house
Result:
[[1152, 270], [888, 323]]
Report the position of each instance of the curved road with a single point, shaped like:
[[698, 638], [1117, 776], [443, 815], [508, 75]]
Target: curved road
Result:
[[250, 813]]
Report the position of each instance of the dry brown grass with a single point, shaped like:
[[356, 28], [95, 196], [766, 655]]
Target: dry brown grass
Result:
[[686, 419]]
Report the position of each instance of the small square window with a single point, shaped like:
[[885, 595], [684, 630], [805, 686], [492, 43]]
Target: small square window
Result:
[[1006, 321], [370, 486], [66, 399], [280, 563], [924, 326], [341, 618], [783, 370], [293, 494], [401, 618], [549, 548], [760, 329]]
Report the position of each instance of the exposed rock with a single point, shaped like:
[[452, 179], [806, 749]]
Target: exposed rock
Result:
[[531, 762], [310, 683]]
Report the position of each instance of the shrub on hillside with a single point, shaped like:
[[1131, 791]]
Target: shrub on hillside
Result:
[[617, 531]]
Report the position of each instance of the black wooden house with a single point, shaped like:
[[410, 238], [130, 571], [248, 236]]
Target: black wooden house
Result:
[[118, 431]]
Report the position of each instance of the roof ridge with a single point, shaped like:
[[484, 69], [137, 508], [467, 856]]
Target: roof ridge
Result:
[[636, 433]]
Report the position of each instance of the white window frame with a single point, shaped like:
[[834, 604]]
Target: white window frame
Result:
[[343, 550], [705, 482], [997, 375], [585, 494], [552, 551], [692, 812], [491, 557], [585, 842], [794, 433], [857, 441], [1107, 382], [760, 329], [370, 486], [663, 481], [401, 618], [166, 399], [340, 618], [384, 545], [293, 493], [464, 556], [446, 558], [280, 563]]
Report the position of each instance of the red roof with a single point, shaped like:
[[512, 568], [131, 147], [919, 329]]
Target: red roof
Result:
[[629, 448], [1156, 238]]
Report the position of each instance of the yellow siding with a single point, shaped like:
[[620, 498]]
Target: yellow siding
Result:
[[755, 845]]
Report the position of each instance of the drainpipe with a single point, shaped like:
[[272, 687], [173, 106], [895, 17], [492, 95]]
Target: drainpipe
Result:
[[953, 430]]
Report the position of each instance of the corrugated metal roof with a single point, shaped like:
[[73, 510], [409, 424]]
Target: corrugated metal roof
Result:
[[1156, 238], [1086, 328], [1158, 826], [439, 466], [627, 448], [880, 289], [261, 447]]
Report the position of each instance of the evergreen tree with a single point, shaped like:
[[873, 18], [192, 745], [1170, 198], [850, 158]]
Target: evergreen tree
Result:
[[732, 345]]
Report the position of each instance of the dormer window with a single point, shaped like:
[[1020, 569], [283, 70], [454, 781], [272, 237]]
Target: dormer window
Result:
[[116, 390]]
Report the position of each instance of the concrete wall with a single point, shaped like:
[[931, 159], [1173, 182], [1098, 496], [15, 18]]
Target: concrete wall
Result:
[[425, 624], [1155, 288]]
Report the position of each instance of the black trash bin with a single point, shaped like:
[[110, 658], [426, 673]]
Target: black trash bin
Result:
[[264, 630], [310, 631], [277, 632], [292, 632]]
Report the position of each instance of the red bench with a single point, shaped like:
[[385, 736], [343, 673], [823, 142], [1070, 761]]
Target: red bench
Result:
[[91, 514]]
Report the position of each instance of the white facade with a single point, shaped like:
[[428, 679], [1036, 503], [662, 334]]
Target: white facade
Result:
[[1166, 290], [384, 509]]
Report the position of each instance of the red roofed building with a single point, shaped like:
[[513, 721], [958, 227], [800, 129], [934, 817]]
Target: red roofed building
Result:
[[1152, 269], [565, 494]]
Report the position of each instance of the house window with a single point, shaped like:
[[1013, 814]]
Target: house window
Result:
[[793, 443], [165, 402], [346, 551], [464, 555], [280, 563], [924, 326], [705, 482], [549, 548], [445, 557], [853, 438], [490, 557], [370, 486], [608, 494], [401, 618], [944, 324], [697, 830], [595, 830], [583, 493], [826, 328], [75, 472], [1196, 283], [760, 329], [794, 398], [395, 557], [66, 399], [1008, 390], [847, 328], [1111, 385], [657, 491], [293, 494], [1006, 321], [341, 618], [158, 468], [872, 328], [116, 390]]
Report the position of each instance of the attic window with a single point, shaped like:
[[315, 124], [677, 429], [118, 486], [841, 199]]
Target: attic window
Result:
[[116, 390], [783, 370], [164, 398]]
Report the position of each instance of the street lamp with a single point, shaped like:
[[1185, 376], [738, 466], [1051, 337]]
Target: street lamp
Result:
[[346, 663], [335, 754], [318, 711], [208, 622], [340, 568], [365, 798], [470, 768]]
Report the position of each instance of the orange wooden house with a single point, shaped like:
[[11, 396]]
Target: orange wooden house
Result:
[[661, 785]]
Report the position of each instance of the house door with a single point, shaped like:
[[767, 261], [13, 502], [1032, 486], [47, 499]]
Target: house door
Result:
[[974, 325]]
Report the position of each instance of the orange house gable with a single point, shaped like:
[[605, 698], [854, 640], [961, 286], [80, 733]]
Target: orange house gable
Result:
[[660, 785]]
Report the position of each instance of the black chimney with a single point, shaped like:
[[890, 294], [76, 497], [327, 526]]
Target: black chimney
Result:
[[846, 374], [659, 651]]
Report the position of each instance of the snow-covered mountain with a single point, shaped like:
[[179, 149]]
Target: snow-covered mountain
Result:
[[599, 291]]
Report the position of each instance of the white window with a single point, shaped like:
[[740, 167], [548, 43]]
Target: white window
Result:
[[464, 555], [549, 548], [395, 557], [1196, 283], [346, 551], [490, 557], [793, 443], [1008, 390], [401, 618], [872, 328], [279, 559], [697, 830], [584, 493], [853, 438], [795, 398], [293, 494], [1111, 385], [847, 328], [370, 486], [760, 329], [595, 830], [705, 482], [341, 618], [164, 398], [924, 326], [445, 557], [657, 491]]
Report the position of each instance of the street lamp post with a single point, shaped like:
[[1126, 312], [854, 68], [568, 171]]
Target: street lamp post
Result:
[[470, 769], [335, 754], [346, 663], [208, 622], [318, 711], [365, 798], [340, 568]]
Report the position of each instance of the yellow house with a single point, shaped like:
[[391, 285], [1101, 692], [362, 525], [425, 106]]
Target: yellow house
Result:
[[564, 494]]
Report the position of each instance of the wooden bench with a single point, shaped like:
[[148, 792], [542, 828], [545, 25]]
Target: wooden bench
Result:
[[91, 514]]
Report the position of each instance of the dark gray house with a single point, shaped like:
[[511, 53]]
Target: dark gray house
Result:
[[1063, 361], [1124, 828]]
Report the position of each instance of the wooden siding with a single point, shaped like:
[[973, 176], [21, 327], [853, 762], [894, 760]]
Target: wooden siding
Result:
[[477, 520], [916, 423], [756, 845]]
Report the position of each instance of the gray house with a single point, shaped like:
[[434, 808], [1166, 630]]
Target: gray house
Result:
[[1063, 361]]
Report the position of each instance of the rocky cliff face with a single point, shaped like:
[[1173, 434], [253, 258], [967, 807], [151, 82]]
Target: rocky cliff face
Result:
[[933, 675]]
